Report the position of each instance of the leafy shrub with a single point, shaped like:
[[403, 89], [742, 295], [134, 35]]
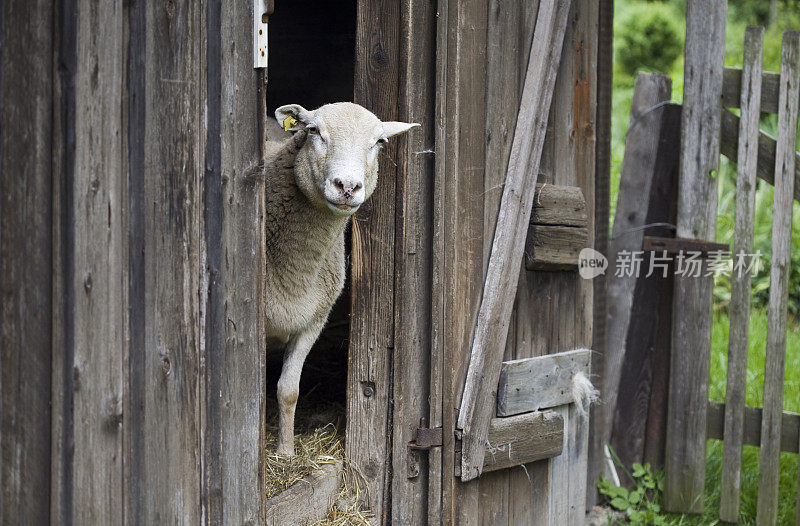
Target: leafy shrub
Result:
[[648, 37], [640, 503]]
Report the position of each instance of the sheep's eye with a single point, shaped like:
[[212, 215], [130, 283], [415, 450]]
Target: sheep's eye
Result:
[[312, 129]]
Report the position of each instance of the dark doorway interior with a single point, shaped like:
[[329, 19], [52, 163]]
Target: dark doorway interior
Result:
[[311, 63]]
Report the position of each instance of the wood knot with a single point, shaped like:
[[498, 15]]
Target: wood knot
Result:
[[87, 282], [379, 56]]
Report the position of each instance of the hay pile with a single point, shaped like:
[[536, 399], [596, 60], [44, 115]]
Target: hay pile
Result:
[[318, 443]]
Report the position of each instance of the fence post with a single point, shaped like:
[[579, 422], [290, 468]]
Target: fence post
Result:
[[770, 454], [641, 174], [697, 213]]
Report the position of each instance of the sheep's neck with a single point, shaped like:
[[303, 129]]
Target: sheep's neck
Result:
[[300, 236]]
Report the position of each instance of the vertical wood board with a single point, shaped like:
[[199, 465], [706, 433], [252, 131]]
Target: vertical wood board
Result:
[[697, 212], [769, 453], [26, 259], [100, 278], [369, 374], [736, 380]]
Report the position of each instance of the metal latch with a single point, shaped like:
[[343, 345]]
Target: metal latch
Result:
[[425, 437]]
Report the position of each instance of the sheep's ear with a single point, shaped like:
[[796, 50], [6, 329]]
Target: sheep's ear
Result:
[[392, 128], [288, 116]]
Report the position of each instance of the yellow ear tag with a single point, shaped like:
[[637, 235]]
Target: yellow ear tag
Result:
[[289, 123]]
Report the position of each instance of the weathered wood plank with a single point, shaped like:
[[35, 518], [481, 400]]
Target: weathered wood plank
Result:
[[463, 152], [733, 82], [697, 213], [554, 247], [559, 205], [531, 384], [640, 173], [641, 392], [234, 237], [100, 279], [523, 438], [166, 349], [751, 426], [765, 168], [27, 177], [501, 280], [409, 486], [372, 287], [769, 455], [308, 500], [735, 385]]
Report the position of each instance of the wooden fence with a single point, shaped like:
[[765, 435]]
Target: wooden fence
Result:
[[692, 418]]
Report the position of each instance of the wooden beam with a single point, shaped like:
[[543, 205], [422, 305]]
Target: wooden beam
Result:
[[732, 89], [307, 500], [751, 426], [491, 328], [639, 415], [647, 167], [769, 458], [554, 247], [559, 206], [765, 167], [697, 215], [736, 384], [522, 439], [537, 383]]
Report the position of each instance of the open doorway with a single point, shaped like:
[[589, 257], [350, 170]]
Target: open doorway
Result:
[[311, 63]]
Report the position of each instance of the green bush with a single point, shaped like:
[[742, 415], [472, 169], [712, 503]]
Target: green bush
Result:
[[648, 37]]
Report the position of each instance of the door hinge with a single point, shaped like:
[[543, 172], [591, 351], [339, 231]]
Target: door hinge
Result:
[[426, 437]]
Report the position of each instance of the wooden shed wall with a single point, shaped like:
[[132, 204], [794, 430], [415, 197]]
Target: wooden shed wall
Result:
[[130, 327]]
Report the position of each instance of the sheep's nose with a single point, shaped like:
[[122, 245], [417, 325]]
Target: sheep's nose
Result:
[[346, 189]]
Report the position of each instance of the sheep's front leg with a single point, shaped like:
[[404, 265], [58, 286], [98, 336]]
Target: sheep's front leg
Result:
[[289, 386]]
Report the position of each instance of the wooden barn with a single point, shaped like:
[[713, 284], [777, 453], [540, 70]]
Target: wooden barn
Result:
[[134, 383]]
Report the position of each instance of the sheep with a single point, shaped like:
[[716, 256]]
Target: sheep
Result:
[[315, 181]]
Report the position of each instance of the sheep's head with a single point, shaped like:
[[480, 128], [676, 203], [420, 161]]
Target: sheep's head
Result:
[[337, 168]]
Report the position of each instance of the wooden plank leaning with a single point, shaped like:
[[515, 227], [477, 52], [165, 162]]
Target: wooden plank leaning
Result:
[[769, 457], [740, 281], [697, 214], [477, 403]]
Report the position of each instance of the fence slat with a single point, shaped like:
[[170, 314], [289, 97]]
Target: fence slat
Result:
[[697, 213], [740, 282], [769, 460]]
